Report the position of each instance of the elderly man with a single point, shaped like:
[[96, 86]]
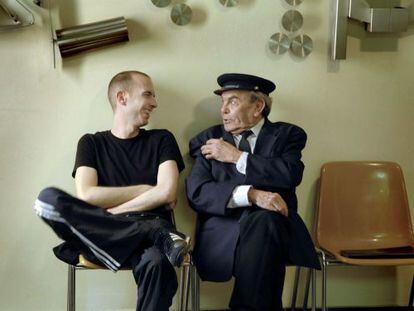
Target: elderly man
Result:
[[242, 186], [126, 180]]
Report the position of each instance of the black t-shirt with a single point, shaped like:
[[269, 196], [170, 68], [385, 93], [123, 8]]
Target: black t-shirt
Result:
[[127, 162]]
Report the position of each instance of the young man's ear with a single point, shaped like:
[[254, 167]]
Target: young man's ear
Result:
[[121, 97]]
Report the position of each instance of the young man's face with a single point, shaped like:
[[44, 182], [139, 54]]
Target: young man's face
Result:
[[141, 101], [238, 112]]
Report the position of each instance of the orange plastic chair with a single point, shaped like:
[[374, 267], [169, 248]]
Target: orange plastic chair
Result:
[[363, 217]]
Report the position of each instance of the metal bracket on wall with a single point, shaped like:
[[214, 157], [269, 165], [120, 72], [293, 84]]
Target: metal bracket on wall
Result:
[[14, 11], [76, 39], [384, 20]]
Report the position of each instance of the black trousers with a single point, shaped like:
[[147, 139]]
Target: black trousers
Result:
[[155, 278], [259, 267], [115, 241]]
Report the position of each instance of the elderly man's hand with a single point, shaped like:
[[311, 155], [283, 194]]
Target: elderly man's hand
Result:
[[268, 200], [220, 150]]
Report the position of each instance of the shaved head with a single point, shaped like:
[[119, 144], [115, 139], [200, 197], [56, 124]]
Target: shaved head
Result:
[[123, 81]]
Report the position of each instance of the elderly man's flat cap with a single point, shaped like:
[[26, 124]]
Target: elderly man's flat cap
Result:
[[240, 81]]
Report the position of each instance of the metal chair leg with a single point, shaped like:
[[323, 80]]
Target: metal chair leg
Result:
[[307, 286], [195, 289], [181, 293], [295, 289], [186, 285], [71, 302], [313, 277], [411, 300], [324, 276], [192, 287], [184, 280]]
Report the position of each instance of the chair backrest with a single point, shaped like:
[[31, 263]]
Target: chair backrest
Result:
[[362, 205]]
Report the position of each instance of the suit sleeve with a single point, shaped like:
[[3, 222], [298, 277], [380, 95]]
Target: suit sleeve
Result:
[[285, 169], [205, 194]]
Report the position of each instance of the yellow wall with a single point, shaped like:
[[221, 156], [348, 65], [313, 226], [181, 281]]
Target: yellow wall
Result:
[[358, 109]]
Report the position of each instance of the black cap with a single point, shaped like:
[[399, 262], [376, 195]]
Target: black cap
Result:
[[240, 81]]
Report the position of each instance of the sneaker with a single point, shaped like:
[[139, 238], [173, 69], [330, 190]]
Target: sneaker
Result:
[[174, 245]]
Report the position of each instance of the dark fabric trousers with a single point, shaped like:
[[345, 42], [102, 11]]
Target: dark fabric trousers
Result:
[[115, 241], [259, 267]]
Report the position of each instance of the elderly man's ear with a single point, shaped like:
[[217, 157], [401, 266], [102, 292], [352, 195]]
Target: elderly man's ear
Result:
[[260, 105]]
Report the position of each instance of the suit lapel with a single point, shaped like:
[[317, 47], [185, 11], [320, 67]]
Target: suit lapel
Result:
[[267, 138], [230, 168]]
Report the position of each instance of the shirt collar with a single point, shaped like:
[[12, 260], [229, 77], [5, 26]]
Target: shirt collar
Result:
[[256, 129]]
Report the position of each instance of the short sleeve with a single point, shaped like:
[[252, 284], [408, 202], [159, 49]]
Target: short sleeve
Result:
[[169, 150], [85, 153]]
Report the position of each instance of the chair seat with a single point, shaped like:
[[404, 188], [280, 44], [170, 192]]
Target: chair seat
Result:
[[362, 216], [85, 263], [338, 258], [390, 256], [380, 253]]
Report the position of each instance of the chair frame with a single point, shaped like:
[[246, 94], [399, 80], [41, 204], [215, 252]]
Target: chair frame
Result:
[[189, 281], [310, 282], [328, 259]]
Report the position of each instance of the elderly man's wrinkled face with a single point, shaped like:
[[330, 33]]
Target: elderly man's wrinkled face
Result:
[[238, 112]]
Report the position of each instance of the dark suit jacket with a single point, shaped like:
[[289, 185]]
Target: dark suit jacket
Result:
[[275, 166]]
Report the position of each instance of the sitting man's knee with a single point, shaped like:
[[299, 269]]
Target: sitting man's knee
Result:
[[266, 223], [265, 217], [155, 265], [50, 194], [153, 259]]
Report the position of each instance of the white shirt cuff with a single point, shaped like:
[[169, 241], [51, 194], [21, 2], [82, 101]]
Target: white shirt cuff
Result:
[[242, 163], [239, 197]]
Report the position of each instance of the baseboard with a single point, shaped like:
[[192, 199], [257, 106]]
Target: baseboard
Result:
[[389, 308]]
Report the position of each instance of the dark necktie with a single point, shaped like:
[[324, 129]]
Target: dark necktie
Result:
[[244, 144]]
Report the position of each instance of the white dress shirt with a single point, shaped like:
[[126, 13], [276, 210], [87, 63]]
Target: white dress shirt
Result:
[[239, 196]]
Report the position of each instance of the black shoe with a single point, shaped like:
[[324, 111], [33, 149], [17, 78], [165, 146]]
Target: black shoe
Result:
[[173, 245]]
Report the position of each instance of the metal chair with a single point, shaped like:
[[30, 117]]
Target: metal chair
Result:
[[191, 278], [363, 217], [310, 282], [188, 281], [192, 281]]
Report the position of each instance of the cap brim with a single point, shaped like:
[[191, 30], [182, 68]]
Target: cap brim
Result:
[[219, 91], [225, 89]]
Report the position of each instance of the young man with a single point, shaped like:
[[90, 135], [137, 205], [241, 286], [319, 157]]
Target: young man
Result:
[[126, 181], [242, 186]]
